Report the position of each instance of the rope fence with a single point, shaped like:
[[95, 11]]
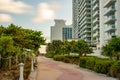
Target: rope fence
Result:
[[12, 60], [18, 61]]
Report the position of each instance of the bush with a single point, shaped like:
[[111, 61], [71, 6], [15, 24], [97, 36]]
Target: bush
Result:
[[74, 59], [49, 55], [115, 69], [90, 62], [59, 57], [87, 62], [103, 66], [67, 58], [82, 62], [4, 64], [97, 64]]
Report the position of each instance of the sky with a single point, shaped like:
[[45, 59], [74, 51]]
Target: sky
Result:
[[35, 14]]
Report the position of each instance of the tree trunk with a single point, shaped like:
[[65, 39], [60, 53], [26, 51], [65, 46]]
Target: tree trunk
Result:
[[80, 54], [68, 54], [85, 54], [117, 57]]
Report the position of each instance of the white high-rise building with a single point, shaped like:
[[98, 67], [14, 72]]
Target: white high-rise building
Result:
[[95, 23], [82, 19], [104, 23], [75, 18], [61, 31], [109, 19]]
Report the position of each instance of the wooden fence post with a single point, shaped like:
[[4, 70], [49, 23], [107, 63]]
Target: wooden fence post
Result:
[[16, 60], [0, 61], [10, 62]]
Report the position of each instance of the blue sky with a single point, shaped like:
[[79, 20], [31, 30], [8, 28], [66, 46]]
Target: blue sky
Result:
[[35, 14]]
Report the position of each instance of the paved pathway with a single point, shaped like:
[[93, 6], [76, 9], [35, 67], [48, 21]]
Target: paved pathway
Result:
[[54, 70]]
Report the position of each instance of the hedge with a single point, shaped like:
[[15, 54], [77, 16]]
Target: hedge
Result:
[[115, 69], [66, 58], [100, 65], [104, 66]]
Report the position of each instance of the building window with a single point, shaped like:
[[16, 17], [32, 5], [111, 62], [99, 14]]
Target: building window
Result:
[[66, 33]]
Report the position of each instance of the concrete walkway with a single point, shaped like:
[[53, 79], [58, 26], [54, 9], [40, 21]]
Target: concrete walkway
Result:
[[49, 69]]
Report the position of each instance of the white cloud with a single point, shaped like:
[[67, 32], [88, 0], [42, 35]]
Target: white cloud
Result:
[[5, 18], [46, 11], [13, 6]]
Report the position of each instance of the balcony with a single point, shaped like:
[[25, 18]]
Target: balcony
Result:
[[88, 40], [110, 10], [87, 31], [96, 14], [109, 3], [110, 28], [96, 41], [85, 27], [87, 35], [95, 1], [95, 28], [110, 19], [96, 7], [88, 3], [96, 34], [108, 37], [96, 21]]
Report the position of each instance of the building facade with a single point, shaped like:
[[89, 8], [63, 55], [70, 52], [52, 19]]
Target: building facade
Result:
[[96, 21], [82, 19], [75, 18], [110, 20], [61, 31], [66, 33]]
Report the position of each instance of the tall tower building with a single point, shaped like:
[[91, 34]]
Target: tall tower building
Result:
[[75, 18], [95, 23], [82, 19]]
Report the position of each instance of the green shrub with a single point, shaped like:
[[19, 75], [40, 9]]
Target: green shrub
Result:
[[74, 59], [97, 64], [49, 55], [103, 66], [87, 62], [59, 57], [4, 64], [90, 62], [67, 58], [82, 62], [115, 69]]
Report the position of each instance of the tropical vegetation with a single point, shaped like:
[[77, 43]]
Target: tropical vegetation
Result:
[[57, 47], [112, 48], [75, 52], [18, 45]]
